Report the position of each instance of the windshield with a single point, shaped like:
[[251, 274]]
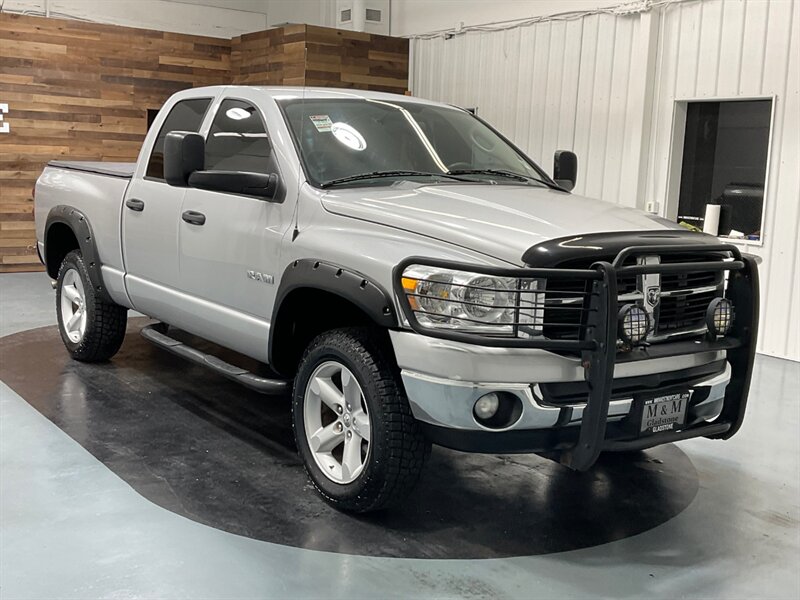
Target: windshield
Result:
[[383, 141]]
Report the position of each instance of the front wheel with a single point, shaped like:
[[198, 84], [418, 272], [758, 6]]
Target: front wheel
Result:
[[92, 330], [360, 444]]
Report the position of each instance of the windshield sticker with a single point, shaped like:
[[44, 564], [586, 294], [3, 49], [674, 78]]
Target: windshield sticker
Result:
[[349, 136], [321, 122]]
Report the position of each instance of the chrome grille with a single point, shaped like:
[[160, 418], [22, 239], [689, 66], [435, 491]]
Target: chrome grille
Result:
[[684, 298]]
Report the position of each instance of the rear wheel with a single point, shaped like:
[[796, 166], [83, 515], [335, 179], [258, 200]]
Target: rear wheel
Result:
[[360, 444], [92, 330]]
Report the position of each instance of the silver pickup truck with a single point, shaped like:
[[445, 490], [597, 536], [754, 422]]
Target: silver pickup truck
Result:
[[408, 275]]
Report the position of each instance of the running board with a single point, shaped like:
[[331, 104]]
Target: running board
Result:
[[242, 376]]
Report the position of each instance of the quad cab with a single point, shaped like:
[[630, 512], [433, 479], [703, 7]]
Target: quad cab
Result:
[[408, 275]]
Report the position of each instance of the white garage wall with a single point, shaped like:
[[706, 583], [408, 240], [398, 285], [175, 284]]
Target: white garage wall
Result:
[[411, 17], [311, 12], [163, 15], [605, 86], [744, 48], [553, 85], [216, 18]]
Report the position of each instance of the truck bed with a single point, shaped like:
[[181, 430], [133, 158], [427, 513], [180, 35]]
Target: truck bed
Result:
[[112, 169], [96, 189]]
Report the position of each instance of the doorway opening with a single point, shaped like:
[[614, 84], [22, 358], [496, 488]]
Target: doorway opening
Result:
[[720, 159]]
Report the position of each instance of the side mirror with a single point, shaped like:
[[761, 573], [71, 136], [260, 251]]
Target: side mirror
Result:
[[565, 169], [262, 185], [184, 153]]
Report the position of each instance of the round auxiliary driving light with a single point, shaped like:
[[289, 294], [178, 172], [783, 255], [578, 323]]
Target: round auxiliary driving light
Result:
[[719, 316], [486, 406], [633, 324]]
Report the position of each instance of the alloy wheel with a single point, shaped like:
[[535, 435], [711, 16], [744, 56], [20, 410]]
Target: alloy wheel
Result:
[[73, 306], [337, 423]]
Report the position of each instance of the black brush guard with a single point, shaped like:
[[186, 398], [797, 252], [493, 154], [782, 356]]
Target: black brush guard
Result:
[[597, 345]]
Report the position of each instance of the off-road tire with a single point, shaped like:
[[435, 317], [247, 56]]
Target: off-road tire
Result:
[[105, 321], [398, 449]]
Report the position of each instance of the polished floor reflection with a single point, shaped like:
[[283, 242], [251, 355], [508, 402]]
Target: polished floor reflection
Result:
[[206, 448]]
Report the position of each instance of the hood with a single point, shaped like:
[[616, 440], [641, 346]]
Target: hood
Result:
[[501, 221]]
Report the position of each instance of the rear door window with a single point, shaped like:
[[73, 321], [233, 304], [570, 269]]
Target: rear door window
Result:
[[186, 115]]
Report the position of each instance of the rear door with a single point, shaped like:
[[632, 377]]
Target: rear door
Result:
[[229, 263], [151, 220]]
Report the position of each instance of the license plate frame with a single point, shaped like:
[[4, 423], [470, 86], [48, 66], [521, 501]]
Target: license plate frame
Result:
[[664, 413]]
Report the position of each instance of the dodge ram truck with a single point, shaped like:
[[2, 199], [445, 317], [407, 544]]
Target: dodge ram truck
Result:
[[408, 276]]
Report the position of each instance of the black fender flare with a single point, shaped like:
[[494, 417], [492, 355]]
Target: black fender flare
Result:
[[79, 224], [325, 276]]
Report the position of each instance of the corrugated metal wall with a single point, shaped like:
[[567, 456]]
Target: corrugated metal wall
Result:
[[605, 86], [549, 86], [734, 49]]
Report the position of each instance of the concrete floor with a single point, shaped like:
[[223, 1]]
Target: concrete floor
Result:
[[70, 528]]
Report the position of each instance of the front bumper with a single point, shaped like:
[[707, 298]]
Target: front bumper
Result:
[[448, 403], [444, 374], [444, 407]]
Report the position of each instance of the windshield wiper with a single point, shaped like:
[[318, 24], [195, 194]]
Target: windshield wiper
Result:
[[380, 174], [503, 173]]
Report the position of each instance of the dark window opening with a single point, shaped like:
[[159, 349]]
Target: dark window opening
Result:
[[152, 113], [186, 115], [725, 163]]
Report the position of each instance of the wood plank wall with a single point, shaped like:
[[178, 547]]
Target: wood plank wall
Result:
[[351, 59], [321, 56], [272, 57], [81, 91]]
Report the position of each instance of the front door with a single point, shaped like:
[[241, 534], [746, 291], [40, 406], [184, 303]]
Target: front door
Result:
[[230, 243]]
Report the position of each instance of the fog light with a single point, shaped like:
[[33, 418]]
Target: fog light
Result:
[[719, 316], [486, 406], [497, 410], [633, 324]]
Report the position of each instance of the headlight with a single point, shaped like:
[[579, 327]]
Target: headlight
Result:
[[470, 302]]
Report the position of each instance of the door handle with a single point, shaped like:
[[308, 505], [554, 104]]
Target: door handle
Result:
[[134, 204], [193, 217]]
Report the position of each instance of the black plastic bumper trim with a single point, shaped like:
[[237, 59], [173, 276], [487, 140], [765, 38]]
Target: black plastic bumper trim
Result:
[[543, 441], [651, 441], [515, 441]]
